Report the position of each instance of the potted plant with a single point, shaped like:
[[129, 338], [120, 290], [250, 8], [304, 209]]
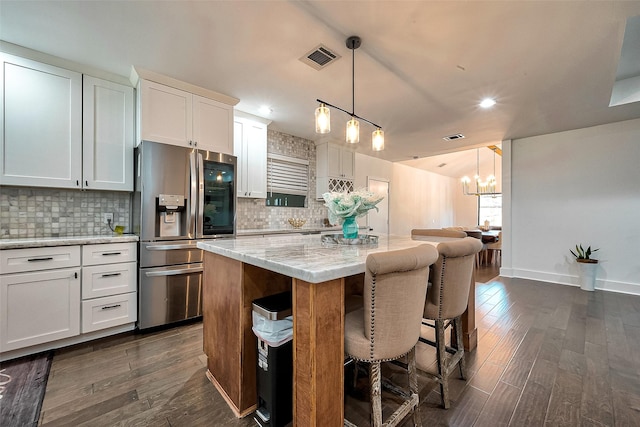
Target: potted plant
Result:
[[587, 267]]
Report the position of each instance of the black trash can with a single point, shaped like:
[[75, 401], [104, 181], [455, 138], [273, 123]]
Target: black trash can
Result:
[[273, 326]]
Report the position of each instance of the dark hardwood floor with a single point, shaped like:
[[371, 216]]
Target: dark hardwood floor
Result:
[[548, 355]]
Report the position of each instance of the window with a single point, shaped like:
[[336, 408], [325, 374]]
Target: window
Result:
[[490, 208], [287, 181]]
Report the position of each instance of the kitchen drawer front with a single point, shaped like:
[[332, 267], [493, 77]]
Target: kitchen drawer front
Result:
[[34, 259], [109, 253], [108, 279], [106, 312]]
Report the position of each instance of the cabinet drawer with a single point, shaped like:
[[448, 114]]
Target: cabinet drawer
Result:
[[106, 312], [109, 279], [33, 259], [109, 253]]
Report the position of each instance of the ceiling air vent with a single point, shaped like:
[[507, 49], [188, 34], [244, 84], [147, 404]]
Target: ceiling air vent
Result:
[[453, 137], [320, 57]]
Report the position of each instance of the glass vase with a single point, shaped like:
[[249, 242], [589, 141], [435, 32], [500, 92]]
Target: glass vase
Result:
[[350, 228]]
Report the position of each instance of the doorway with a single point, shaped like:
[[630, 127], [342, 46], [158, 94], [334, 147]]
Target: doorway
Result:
[[378, 222]]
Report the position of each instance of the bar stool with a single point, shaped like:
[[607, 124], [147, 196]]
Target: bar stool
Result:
[[447, 299], [387, 327]]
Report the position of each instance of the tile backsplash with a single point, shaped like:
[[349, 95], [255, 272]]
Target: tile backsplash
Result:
[[27, 212]]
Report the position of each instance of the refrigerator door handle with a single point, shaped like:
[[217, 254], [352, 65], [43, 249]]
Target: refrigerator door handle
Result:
[[193, 190], [170, 247], [200, 221], [176, 272]]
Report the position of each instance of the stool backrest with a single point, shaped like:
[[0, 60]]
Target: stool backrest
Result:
[[395, 288], [451, 279]]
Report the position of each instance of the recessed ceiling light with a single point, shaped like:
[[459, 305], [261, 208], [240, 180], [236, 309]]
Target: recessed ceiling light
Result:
[[265, 110], [488, 103]]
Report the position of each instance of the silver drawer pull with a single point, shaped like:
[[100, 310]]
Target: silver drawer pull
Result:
[[111, 274], [111, 253], [108, 307], [40, 259]]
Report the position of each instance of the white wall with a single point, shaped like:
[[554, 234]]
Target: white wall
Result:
[[580, 186], [418, 199]]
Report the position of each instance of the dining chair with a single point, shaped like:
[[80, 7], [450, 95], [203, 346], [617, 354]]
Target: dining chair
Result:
[[387, 327], [447, 299], [418, 233], [496, 248], [477, 234]]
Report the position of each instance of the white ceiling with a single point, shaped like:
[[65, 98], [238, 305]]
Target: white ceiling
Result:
[[422, 68]]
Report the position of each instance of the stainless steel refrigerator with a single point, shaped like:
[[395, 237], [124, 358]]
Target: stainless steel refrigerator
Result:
[[181, 195]]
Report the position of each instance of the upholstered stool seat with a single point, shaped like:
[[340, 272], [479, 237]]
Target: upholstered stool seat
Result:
[[387, 326]]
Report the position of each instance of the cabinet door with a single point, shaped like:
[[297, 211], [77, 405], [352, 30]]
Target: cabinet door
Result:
[[348, 164], [256, 134], [42, 124], [39, 307], [239, 148], [212, 125], [107, 135], [334, 160], [166, 114]]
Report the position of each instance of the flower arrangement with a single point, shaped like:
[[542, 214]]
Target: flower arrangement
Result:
[[350, 205]]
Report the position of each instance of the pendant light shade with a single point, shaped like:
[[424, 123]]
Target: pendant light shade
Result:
[[323, 124], [353, 131], [323, 119], [377, 140]]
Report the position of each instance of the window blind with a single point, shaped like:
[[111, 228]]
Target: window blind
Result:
[[287, 175]]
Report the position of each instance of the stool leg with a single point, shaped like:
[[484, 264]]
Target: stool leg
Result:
[[457, 324], [376, 398], [413, 385], [441, 354]]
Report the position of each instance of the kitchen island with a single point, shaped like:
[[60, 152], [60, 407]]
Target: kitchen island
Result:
[[237, 271]]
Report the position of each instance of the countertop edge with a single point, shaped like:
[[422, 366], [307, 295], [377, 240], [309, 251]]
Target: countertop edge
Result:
[[41, 242]]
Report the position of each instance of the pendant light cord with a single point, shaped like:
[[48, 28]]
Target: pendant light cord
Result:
[[353, 79]]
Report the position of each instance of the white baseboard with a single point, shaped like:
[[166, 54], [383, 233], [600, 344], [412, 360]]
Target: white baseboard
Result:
[[569, 280]]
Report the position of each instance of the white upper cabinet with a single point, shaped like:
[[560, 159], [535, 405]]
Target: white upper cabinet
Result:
[[60, 132], [250, 147], [42, 124], [335, 161], [108, 135], [177, 117], [166, 114], [212, 125]]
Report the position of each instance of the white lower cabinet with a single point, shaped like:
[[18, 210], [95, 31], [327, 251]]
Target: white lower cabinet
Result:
[[109, 286], [40, 305], [62, 293]]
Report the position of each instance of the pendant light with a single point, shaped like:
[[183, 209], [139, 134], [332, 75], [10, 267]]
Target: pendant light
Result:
[[352, 133], [482, 188]]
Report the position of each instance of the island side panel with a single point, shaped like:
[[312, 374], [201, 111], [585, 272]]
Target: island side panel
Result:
[[318, 356], [222, 326]]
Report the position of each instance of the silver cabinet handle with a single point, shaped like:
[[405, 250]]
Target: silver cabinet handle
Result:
[[170, 247], [109, 307], [111, 253], [40, 259], [176, 272]]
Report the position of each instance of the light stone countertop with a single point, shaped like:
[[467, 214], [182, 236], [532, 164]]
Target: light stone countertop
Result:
[[39, 242], [306, 257], [287, 230]]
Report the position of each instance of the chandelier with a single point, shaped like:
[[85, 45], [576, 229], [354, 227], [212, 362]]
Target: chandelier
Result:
[[323, 114], [482, 188]]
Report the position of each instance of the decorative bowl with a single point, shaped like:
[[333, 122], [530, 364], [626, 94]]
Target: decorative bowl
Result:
[[297, 222]]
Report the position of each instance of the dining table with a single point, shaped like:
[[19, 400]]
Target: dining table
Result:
[[317, 270]]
